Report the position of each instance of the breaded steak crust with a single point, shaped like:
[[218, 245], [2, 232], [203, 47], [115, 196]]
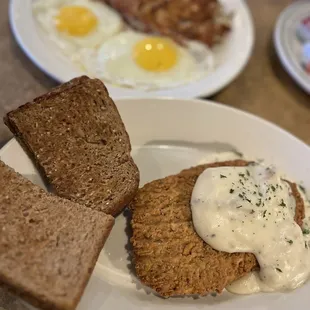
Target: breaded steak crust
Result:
[[169, 256]]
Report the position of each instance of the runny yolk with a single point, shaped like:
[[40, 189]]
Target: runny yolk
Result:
[[76, 20], [155, 54]]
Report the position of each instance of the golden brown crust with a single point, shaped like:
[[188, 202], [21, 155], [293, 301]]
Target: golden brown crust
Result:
[[300, 207], [168, 254]]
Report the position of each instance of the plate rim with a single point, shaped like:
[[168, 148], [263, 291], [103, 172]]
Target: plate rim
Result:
[[203, 92], [208, 102], [285, 61]]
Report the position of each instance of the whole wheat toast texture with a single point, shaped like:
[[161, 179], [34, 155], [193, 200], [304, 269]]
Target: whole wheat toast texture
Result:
[[79, 143], [48, 245], [169, 256]]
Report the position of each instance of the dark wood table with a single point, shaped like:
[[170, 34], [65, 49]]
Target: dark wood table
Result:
[[264, 88]]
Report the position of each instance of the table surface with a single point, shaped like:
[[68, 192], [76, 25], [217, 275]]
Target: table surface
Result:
[[263, 88]]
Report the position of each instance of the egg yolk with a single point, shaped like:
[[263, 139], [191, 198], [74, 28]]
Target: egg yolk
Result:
[[76, 20], [155, 54]]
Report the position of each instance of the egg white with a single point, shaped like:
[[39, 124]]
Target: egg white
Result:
[[113, 62], [109, 23]]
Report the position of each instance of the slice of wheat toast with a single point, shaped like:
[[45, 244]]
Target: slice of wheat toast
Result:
[[168, 255], [79, 143], [48, 245]]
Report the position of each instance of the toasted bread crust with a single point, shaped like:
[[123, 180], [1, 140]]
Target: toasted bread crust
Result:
[[169, 256], [77, 139]]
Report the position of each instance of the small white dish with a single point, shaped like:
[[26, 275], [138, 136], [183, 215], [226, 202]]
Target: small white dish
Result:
[[287, 44], [168, 135], [230, 57]]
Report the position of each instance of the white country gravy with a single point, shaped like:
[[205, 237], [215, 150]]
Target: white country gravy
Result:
[[251, 209]]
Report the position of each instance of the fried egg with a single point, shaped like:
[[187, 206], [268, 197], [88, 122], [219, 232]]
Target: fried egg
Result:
[[137, 60], [73, 24]]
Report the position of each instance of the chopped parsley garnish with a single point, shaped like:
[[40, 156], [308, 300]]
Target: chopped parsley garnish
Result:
[[290, 241], [252, 212], [306, 231], [273, 188], [231, 190], [240, 195], [259, 202], [278, 269], [282, 204], [248, 200], [239, 207], [241, 175], [248, 173], [223, 176], [260, 194], [264, 214]]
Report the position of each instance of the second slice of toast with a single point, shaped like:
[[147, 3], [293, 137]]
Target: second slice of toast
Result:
[[48, 245], [79, 143]]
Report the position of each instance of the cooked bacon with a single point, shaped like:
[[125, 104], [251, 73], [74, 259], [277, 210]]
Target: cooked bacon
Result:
[[202, 20]]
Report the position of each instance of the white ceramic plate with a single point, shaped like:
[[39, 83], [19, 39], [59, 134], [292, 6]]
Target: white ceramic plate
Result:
[[231, 56], [167, 136], [287, 44]]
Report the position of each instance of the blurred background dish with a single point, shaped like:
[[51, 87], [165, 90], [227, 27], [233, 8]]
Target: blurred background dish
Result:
[[64, 51], [291, 37], [263, 88]]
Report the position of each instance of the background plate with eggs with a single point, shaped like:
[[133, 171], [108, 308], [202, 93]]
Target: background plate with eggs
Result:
[[68, 38]]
